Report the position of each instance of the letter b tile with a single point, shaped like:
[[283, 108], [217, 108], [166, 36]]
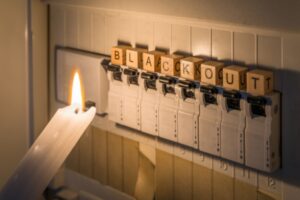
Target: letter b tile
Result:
[[118, 55]]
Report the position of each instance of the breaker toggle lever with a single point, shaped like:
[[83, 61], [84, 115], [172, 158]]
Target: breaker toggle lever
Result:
[[187, 88], [209, 94], [132, 76], [149, 80], [167, 84], [116, 72], [232, 99], [257, 105]]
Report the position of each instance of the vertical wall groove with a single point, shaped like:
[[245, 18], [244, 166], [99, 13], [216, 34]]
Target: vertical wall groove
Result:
[[30, 74]]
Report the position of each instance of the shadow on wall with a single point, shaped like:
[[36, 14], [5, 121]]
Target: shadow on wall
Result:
[[291, 127]]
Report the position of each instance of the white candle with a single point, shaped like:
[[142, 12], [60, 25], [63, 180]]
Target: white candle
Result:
[[48, 152]]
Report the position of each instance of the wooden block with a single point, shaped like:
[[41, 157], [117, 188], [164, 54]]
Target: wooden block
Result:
[[118, 55], [234, 77], [190, 68], [260, 82], [152, 60], [134, 57], [170, 65], [211, 72]]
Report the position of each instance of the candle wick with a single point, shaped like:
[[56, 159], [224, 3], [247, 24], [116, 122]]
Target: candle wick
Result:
[[76, 110]]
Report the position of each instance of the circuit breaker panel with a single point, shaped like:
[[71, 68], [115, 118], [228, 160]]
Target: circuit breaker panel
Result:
[[226, 111]]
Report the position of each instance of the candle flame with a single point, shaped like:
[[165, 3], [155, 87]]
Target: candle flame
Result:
[[76, 96]]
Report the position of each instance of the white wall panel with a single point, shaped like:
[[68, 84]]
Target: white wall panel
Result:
[[71, 29], [57, 24], [201, 41], [269, 56], [144, 34], [162, 35], [181, 38], [57, 37], [244, 47], [111, 32], [98, 32], [279, 15], [126, 29], [221, 45], [84, 29]]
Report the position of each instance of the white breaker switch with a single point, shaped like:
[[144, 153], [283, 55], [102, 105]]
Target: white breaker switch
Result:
[[115, 103], [149, 103], [168, 105], [262, 133], [188, 112], [233, 126], [131, 98], [210, 120]]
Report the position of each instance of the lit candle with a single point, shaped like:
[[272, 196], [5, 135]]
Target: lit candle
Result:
[[50, 149]]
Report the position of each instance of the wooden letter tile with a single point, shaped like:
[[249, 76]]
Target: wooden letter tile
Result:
[[259, 82], [134, 57], [211, 72], [170, 65], [234, 77], [152, 60], [190, 68], [118, 55]]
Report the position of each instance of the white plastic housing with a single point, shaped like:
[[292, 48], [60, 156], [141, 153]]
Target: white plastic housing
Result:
[[115, 102], [93, 75], [210, 126], [188, 116], [149, 109], [233, 131], [130, 103], [262, 136], [167, 114]]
